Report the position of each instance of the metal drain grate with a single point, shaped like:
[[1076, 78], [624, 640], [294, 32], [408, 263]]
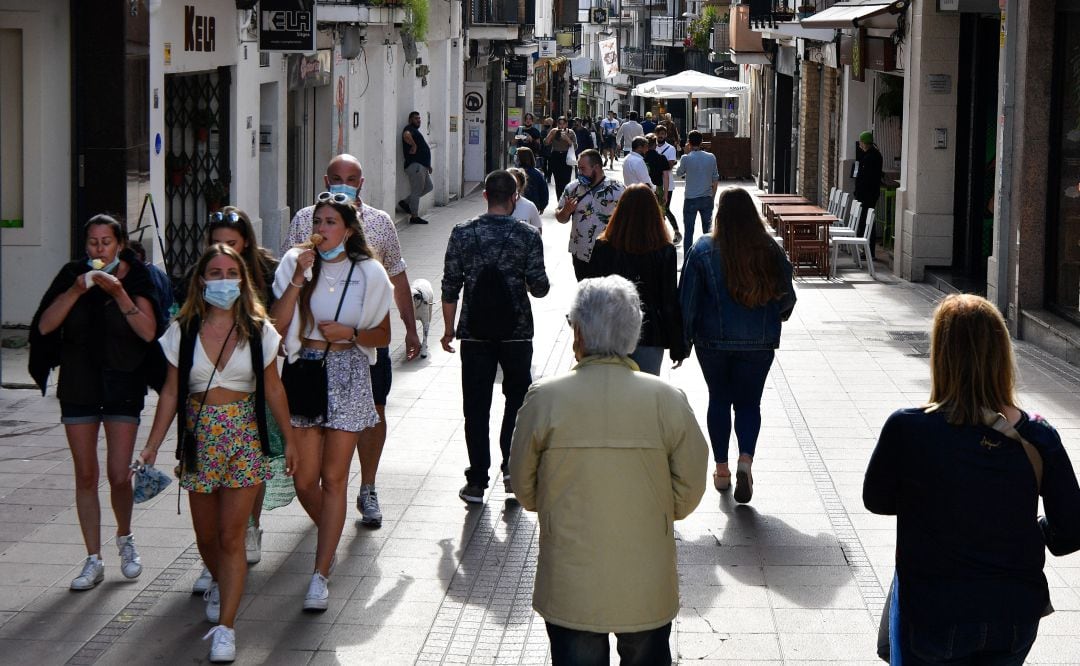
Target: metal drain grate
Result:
[[908, 336]]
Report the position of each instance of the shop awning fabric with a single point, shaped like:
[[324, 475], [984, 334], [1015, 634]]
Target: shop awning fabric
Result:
[[690, 83], [855, 14]]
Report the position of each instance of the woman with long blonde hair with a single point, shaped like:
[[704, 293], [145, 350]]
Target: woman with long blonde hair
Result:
[[963, 475], [736, 291], [222, 373]]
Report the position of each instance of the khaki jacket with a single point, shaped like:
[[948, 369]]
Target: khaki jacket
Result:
[[609, 458]]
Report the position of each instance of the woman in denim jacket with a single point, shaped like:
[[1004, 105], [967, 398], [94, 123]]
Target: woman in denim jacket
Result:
[[736, 290]]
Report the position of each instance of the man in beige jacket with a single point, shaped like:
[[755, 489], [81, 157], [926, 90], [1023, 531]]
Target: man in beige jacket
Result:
[[608, 481]]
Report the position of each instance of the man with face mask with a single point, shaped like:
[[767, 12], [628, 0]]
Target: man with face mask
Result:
[[345, 175], [590, 201]]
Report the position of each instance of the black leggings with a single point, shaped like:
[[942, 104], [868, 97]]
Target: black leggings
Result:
[[562, 172]]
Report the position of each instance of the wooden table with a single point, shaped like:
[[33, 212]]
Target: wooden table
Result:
[[767, 199], [806, 240], [774, 210]]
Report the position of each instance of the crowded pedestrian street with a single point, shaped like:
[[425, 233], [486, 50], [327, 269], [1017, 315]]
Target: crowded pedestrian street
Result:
[[798, 575]]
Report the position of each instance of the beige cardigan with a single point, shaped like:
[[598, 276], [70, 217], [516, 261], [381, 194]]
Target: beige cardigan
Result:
[[609, 458]]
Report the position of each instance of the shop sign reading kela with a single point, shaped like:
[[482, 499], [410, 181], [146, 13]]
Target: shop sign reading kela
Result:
[[287, 26]]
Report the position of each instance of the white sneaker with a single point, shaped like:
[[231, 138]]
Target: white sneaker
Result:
[[212, 597], [93, 572], [318, 596], [202, 583], [253, 544], [222, 644], [130, 562]]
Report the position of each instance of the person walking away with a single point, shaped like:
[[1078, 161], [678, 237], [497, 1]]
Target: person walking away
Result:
[[963, 475], [589, 202], [345, 175], [702, 178], [222, 428], [609, 127], [648, 126], [607, 490], [634, 169], [636, 245], [339, 317], [659, 169], [525, 210], [736, 290], [666, 150], [584, 136], [97, 321], [560, 140], [869, 176], [627, 132], [536, 189], [499, 262], [417, 168]]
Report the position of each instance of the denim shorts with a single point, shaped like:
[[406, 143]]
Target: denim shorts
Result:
[[125, 412], [381, 377]]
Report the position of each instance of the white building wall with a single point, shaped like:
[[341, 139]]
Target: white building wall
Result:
[[33, 254]]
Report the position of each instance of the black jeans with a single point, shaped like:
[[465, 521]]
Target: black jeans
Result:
[[571, 647], [561, 172], [970, 643], [479, 363]]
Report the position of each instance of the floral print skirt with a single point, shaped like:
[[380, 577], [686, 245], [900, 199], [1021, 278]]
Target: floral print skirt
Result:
[[350, 405], [228, 453]]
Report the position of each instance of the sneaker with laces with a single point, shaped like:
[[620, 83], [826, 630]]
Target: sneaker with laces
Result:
[[318, 594], [368, 503], [222, 644], [253, 544], [93, 572], [472, 493], [202, 583], [130, 562], [212, 597], [507, 486]]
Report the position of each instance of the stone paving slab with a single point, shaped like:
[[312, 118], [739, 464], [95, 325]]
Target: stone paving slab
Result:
[[795, 578]]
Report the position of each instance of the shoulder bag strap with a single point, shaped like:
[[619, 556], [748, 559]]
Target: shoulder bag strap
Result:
[[998, 422]]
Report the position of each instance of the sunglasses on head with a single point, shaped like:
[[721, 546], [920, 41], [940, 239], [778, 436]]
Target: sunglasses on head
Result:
[[335, 197], [231, 216]]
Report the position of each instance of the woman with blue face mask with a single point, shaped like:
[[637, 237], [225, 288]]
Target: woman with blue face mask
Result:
[[97, 322], [333, 305], [222, 374]]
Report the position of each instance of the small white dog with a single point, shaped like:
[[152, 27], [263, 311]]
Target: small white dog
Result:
[[423, 298]]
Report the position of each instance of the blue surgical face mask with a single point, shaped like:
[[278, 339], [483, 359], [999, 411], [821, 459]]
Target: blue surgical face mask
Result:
[[221, 293], [585, 180], [109, 267], [330, 255], [342, 188]]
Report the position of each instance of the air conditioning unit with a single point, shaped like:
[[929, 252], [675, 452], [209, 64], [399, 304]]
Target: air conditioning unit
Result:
[[598, 16]]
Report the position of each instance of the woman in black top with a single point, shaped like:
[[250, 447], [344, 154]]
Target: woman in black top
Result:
[[636, 245], [97, 322], [536, 188], [965, 492]]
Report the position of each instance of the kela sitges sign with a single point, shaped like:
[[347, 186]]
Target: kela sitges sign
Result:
[[287, 26]]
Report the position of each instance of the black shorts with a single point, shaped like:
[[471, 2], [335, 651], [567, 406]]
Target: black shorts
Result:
[[609, 142], [125, 412], [381, 377]]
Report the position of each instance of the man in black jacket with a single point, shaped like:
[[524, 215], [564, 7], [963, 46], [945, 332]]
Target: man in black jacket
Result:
[[868, 177]]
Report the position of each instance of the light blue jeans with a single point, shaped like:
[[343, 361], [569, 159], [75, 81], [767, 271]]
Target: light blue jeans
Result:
[[690, 210]]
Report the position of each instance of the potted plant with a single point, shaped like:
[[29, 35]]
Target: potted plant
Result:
[[178, 167], [216, 193], [698, 31], [416, 22], [202, 120]]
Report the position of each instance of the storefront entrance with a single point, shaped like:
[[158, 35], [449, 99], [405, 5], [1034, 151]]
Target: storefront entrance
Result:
[[1063, 207]]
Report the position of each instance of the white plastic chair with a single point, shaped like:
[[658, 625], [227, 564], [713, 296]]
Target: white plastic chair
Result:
[[834, 200], [855, 243], [842, 206], [845, 228]]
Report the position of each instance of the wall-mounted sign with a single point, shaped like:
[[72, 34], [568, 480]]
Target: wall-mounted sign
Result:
[[513, 117], [517, 69], [473, 102], [948, 5], [287, 26], [546, 47], [200, 31], [938, 84], [168, 53], [309, 71]]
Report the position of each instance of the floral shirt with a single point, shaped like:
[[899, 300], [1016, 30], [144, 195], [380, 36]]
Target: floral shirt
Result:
[[593, 210], [379, 231]]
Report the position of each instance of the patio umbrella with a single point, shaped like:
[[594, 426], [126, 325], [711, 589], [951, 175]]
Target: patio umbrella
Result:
[[689, 84]]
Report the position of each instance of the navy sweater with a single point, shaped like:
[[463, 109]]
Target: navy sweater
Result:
[[968, 545]]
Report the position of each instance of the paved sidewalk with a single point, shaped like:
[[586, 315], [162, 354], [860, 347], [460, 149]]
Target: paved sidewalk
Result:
[[795, 577]]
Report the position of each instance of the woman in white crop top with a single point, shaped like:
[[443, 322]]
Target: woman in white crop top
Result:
[[212, 386], [343, 273]]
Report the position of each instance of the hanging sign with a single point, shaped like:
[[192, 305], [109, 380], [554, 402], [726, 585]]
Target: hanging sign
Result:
[[609, 57], [287, 26]]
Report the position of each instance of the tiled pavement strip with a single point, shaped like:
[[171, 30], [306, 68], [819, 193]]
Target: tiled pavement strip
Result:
[[795, 577]]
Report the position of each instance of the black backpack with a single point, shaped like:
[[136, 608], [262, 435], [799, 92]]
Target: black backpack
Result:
[[492, 315]]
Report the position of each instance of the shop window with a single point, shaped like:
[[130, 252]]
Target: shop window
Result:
[[1063, 260]]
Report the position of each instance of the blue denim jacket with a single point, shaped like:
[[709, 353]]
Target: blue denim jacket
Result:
[[712, 320]]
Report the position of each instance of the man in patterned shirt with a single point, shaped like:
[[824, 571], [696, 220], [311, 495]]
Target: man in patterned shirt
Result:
[[345, 175], [590, 200], [514, 249]]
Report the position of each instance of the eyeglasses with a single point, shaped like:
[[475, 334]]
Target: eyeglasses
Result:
[[231, 216], [335, 197]]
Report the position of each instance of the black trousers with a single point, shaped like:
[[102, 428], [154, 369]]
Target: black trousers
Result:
[[572, 647], [561, 172], [479, 363]]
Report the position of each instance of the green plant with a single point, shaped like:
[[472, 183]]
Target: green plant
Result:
[[416, 23], [890, 99], [699, 29], [215, 192]]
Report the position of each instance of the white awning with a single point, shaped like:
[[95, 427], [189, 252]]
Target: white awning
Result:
[[856, 14]]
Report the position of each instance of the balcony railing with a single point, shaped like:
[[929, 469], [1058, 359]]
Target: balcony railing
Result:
[[502, 12], [644, 61], [768, 13], [668, 30], [636, 4]]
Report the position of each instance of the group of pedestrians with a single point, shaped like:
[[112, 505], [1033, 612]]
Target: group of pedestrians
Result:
[[970, 554]]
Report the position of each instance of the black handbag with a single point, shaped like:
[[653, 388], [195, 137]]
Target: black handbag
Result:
[[305, 378]]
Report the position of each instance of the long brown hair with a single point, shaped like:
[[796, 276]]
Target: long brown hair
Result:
[[971, 360], [637, 223], [356, 248], [748, 251], [248, 310], [254, 256]]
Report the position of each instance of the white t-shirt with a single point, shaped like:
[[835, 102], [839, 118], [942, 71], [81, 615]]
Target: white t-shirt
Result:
[[667, 151], [237, 374], [526, 211]]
